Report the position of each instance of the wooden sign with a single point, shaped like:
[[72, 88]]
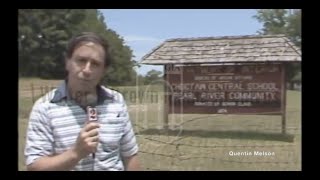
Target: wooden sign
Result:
[[229, 89]]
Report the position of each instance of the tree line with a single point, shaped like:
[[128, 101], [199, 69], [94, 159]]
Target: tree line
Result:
[[43, 35]]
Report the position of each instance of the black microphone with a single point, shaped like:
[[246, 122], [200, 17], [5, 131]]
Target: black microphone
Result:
[[92, 111]]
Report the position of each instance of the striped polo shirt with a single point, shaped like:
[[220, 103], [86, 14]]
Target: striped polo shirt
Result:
[[56, 120]]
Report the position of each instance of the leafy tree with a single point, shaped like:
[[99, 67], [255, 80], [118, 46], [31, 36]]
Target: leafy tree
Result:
[[283, 21], [43, 35], [153, 76], [141, 79]]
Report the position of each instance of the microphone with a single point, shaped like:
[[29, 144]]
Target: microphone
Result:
[[92, 112]]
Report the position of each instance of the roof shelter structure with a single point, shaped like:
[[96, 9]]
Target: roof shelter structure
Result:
[[228, 74]]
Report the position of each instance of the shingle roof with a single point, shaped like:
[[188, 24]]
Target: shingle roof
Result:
[[225, 49]]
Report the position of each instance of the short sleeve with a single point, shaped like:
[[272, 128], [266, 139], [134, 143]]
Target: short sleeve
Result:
[[128, 143], [39, 139]]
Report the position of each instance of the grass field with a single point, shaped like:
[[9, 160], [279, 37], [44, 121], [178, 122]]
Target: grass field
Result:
[[198, 141]]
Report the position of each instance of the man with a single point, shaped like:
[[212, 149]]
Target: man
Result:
[[59, 135]]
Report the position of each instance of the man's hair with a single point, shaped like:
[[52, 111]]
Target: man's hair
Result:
[[88, 37]]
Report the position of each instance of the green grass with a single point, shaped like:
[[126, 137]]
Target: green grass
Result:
[[202, 141]]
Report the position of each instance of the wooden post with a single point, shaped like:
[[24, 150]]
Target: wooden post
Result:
[[47, 89], [137, 95], [283, 99], [32, 93], [166, 101]]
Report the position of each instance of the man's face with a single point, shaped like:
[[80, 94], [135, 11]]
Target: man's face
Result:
[[85, 67]]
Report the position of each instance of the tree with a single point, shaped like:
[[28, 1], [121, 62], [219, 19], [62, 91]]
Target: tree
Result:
[[153, 76], [43, 35], [141, 80], [283, 21]]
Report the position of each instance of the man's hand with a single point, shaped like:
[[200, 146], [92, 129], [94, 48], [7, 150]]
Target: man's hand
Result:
[[86, 143], [87, 140]]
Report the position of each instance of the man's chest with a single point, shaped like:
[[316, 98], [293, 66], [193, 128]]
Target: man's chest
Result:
[[67, 122]]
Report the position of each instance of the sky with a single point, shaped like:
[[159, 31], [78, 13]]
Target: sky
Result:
[[145, 29]]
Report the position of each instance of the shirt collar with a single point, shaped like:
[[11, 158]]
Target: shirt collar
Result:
[[62, 93]]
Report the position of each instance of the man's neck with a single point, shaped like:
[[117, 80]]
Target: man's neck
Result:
[[81, 97]]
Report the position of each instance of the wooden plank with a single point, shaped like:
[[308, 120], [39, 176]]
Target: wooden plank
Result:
[[166, 101], [283, 99]]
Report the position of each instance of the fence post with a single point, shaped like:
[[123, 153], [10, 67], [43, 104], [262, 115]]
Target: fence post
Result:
[[157, 97], [283, 100], [47, 89], [41, 90], [166, 101], [32, 93]]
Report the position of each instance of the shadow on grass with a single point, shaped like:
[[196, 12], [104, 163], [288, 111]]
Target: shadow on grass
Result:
[[253, 135]]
